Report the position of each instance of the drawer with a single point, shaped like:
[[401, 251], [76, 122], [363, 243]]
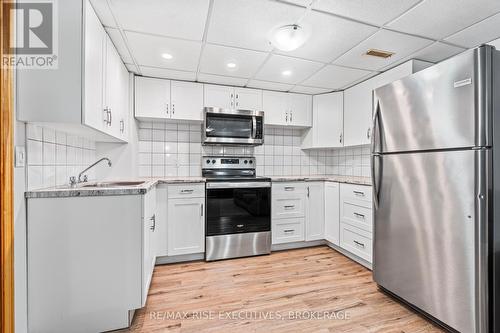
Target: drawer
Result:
[[357, 216], [288, 207], [290, 188], [287, 231], [360, 195], [356, 241], [186, 191]]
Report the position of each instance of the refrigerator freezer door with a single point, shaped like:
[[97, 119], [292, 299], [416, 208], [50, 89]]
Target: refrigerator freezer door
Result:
[[444, 106], [424, 231]]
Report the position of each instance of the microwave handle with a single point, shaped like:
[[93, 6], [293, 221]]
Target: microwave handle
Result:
[[254, 127]]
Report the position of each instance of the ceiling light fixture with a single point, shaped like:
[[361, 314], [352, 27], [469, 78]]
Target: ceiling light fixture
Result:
[[167, 56], [231, 65], [288, 37], [286, 73]]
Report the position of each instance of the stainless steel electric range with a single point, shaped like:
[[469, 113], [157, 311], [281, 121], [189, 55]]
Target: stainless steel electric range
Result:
[[238, 208]]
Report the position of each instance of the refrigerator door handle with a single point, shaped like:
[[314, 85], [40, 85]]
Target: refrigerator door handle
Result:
[[375, 122], [375, 182]]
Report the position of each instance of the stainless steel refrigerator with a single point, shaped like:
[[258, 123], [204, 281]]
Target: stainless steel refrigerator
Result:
[[436, 183]]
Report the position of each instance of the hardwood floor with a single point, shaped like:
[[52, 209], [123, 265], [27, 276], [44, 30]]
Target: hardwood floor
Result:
[[305, 282]]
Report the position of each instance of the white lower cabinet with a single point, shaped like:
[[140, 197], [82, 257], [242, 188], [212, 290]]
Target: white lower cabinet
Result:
[[288, 230], [332, 213], [148, 240], [185, 219], [288, 212], [315, 211]]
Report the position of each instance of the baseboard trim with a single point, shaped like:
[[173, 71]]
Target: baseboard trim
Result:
[[180, 258], [349, 255], [296, 245]]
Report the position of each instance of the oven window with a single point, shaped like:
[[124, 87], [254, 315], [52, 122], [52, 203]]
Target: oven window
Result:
[[229, 126], [231, 211]]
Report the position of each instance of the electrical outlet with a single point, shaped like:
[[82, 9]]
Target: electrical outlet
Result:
[[20, 156]]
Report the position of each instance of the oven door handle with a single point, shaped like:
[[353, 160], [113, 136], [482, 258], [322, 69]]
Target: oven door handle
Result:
[[238, 185], [254, 127]]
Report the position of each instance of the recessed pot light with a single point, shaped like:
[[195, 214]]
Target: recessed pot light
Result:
[[286, 73], [231, 65], [167, 56], [288, 37]]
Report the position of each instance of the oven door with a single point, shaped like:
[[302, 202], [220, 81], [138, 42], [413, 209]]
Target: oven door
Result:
[[237, 207], [233, 127]]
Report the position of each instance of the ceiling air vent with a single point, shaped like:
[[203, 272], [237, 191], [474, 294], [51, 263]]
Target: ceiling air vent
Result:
[[379, 53]]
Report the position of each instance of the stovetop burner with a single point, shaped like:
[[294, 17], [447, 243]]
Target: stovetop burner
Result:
[[228, 168]]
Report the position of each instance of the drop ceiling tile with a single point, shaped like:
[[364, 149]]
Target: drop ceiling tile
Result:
[[147, 51], [167, 73], [215, 58], [103, 12], [310, 90], [477, 34], [219, 79], [402, 45], [120, 45], [436, 52], [173, 18], [441, 18], [269, 85], [300, 69], [246, 23], [335, 77], [375, 12], [330, 37]]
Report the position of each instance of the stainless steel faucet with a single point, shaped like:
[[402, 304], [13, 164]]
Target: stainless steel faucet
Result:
[[72, 179]]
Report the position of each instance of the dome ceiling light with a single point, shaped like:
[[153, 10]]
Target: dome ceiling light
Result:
[[288, 37]]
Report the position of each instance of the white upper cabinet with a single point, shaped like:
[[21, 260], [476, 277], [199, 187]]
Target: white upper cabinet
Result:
[[327, 129], [227, 97], [186, 100], [152, 98], [286, 109], [166, 99], [359, 104], [85, 94]]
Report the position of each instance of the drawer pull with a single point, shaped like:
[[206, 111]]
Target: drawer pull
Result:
[[186, 191], [359, 193], [289, 188], [360, 216], [289, 207], [289, 230], [359, 244]]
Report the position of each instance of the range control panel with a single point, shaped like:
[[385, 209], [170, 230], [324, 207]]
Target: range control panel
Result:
[[226, 162]]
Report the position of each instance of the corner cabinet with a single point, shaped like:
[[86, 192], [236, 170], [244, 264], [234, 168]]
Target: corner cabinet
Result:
[[287, 109], [88, 93], [359, 103], [227, 97], [327, 130], [167, 99]]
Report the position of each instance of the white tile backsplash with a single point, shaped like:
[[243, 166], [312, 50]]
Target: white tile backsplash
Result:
[[175, 149], [54, 156]]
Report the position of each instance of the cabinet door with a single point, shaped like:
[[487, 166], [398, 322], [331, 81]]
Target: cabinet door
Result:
[[186, 100], [113, 99], [332, 214], [248, 99], [275, 105], [218, 96], [358, 114], [125, 114], [300, 110], [328, 112], [161, 221], [95, 44], [315, 211], [186, 226], [148, 234], [152, 98]]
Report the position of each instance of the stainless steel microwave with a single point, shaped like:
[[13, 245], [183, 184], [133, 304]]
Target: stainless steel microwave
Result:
[[233, 127]]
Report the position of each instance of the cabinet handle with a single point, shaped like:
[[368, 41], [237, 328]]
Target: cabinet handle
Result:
[[286, 117], [288, 230], [358, 215], [359, 193], [105, 115], [122, 126], [167, 109], [308, 192], [186, 191], [340, 137], [153, 226], [289, 206], [173, 108], [110, 116], [359, 244], [291, 116], [236, 96], [201, 210], [289, 188], [368, 133]]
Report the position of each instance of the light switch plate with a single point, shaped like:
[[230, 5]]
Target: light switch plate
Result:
[[20, 156]]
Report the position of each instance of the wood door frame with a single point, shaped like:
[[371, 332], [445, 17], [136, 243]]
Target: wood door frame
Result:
[[6, 177]]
